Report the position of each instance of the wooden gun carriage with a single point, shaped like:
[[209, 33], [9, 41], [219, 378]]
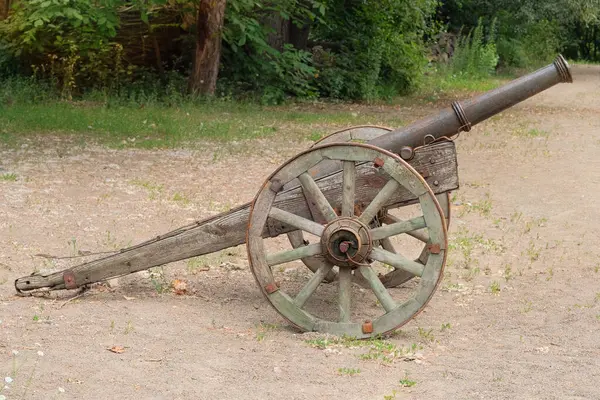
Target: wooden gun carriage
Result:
[[336, 203]]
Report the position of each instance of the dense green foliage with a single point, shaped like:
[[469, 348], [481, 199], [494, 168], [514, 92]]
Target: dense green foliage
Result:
[[275, 49], [530, 32]]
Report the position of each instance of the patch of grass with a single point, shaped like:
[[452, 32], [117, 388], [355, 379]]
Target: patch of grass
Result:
[[407, 382], [440, 86], [538, 222], [263, 329], [161, 126], [8, 177], [507, 273], [158, 280], [445, 326], [532, 251], [154, 190], [495, 287], [467, 242], [377, 348], [196, 264], [483, 207], [348, 371], [527, 306], [128, 328], [523, 131], [427, 335], [181, 198]]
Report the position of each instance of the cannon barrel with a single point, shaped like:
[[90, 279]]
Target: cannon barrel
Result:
[[462, 116]]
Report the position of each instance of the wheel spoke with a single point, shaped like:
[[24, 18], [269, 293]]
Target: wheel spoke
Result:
[[349, 186], [291, 255], [380, 291], [398, 228], [421, 235], [379, 201], [386, 243], [317, 197], [296, 221], [345, 293], [396, 277], [312, 285], [397, 261]]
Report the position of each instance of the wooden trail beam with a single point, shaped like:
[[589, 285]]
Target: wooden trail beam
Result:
[[437, 164]]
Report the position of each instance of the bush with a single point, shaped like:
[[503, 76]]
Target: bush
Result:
[[474, 55], [66, 41], [536, 47], [372, 49]]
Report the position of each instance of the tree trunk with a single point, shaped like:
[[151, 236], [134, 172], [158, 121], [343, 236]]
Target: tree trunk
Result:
[[4, 7], [209, 26]]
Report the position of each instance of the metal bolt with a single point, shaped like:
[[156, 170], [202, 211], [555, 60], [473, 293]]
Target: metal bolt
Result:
[[436, 183], [432, 160], [407, 153], [344, 246]]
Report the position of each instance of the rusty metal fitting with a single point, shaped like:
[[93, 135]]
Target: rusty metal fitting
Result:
[[378, 162], [69, 279], [367, 327], [434, 248], [271, 288], [465, 124], [407, 153]]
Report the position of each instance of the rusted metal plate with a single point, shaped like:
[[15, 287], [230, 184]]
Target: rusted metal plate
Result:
[[271, 288], [69, 278], [367, 327]]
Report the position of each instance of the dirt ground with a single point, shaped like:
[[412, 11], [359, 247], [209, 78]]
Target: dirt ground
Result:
[[516, 316]]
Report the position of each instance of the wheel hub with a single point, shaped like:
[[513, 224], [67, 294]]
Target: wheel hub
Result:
[[346, 242]]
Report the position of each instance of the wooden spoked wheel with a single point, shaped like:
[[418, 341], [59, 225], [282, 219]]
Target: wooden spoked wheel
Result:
[[363, 134], [346, 242]]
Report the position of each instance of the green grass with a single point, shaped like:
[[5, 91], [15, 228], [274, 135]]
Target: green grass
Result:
[[348, 371], [442, 86], [168, 127], [29, 109], [8, 177]]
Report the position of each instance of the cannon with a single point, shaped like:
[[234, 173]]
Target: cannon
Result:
[[335, 208]]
